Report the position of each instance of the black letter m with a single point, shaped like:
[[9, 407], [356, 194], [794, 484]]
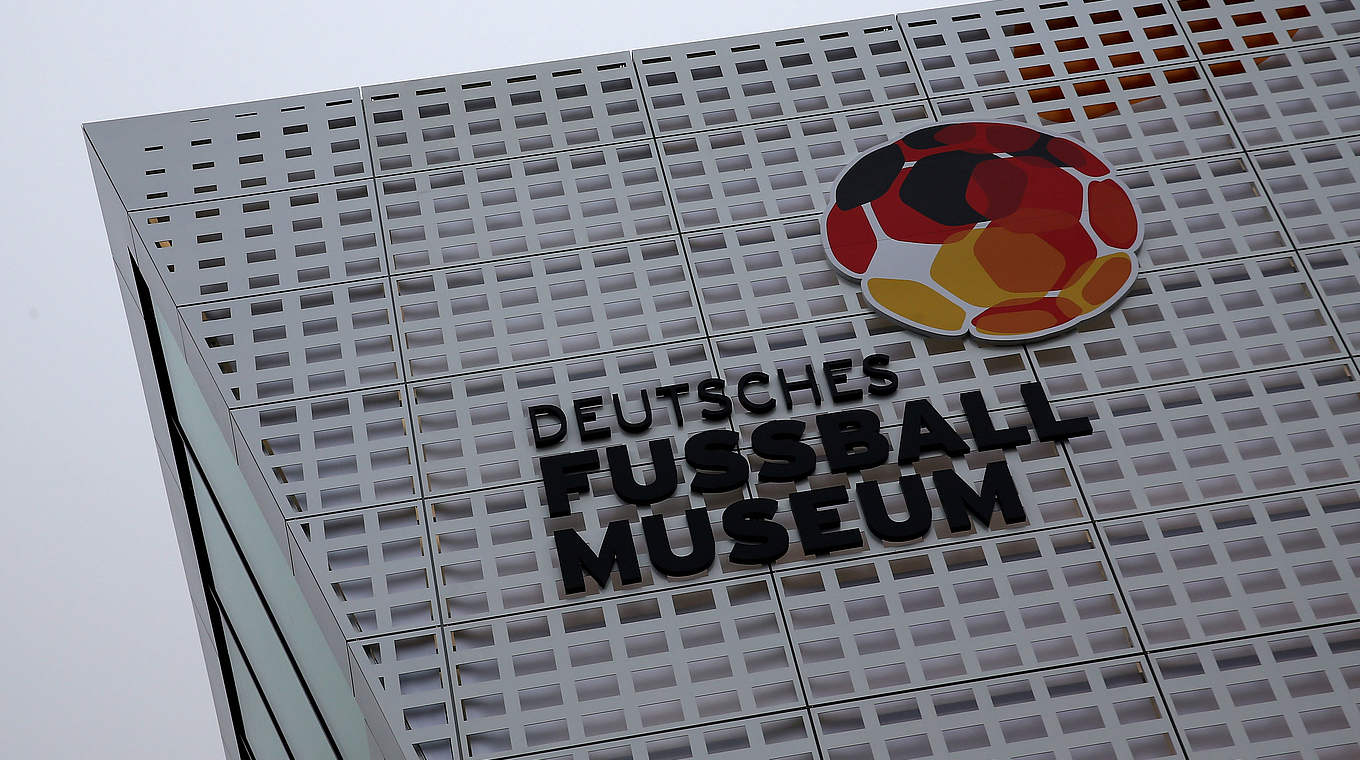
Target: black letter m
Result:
[[959, 499], [616, 549]]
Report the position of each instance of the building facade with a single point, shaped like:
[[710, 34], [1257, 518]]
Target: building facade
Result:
[[421, 355]]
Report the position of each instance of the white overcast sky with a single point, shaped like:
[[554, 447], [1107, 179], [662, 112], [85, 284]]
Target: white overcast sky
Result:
[[99, 654]]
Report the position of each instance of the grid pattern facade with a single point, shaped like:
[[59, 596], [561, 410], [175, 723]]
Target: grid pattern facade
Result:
[[381, 281]]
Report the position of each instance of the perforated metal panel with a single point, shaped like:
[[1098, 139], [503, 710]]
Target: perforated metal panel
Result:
[[1241, 569], [409, 676], [442, 121], [1110, 710], [1201, 211], [986, 46], [747, 174], [240, 149], [531, 205], [766, 275], [1200, 322], [783, 736], [1337, 273], [1138, 118], [380, 283], [373, 566], [333, 452], [1219, 439], [599, 670], [264, 243], [1222, 27], [1289, 696], [758, 77], [1292, 95], [298, 343], [866, 626], [1316, 189], [546, 307]]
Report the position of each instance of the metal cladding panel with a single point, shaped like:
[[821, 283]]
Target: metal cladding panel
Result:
[[546, 307], [1215, 440], [781, 736], [486, 115], [1289, 695], [333, 452], [264, 243], [298, 342], [992, 45], [1337, 274], [776, 75], [227, 151], [527, 206], [1317, 189], [1109, 710], [409, 676], [1200, 211], [1142, 117], [1210, 320], [1241, 569], [1292, 95], [774, 273], [373, 567], [381, 283], [599, 670], [747, 174], [766, 275], [985, 609], [1225, 27]]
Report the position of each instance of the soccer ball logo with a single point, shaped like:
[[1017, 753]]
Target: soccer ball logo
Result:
[[988, 228]]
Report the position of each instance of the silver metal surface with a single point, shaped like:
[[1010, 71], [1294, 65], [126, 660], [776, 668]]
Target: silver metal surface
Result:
[[378, 283]]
